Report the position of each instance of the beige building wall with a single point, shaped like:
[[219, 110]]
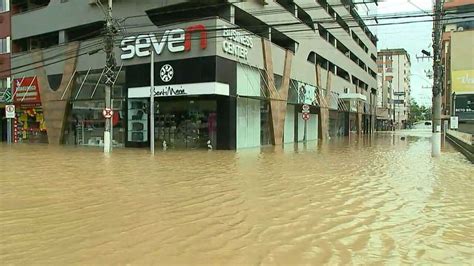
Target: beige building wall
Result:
[[462, 50]]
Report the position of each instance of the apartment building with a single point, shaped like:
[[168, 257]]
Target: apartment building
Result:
[[235, 74], [5, 82], [457, 58], [384, 113], [394, 74]]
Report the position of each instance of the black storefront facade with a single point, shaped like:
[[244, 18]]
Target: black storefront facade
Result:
[[195, 104], [208, 100]]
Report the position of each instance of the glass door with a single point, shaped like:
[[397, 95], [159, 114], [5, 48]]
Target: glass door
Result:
[[186, 124]]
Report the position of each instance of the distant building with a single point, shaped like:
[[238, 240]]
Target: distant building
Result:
[[394, 88], [457, 57]]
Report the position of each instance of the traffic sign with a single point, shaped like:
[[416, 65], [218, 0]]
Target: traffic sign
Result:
[[305, 108], [306, 116], [10, 111], [454, 122], [108, 113]]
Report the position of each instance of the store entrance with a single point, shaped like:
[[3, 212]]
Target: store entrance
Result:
[[186, 124], [180, 122]]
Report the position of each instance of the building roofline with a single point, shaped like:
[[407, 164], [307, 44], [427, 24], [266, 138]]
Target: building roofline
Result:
[[395, 51]]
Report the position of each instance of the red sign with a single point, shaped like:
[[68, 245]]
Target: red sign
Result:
[[305, 116], [26, 90], [108, 113]]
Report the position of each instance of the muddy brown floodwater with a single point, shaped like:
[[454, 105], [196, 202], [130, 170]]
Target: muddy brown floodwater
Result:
[[360, 200]]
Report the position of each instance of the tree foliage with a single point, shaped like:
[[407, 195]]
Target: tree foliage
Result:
[[418, 113]]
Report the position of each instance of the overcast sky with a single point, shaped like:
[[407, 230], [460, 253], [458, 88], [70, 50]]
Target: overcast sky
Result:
[[413, 37]]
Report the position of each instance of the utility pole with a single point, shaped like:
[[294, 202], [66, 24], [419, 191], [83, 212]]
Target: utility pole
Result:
[[109, 75], [437, 84]]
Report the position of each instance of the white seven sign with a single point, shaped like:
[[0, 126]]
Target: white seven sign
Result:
[[10, 111]]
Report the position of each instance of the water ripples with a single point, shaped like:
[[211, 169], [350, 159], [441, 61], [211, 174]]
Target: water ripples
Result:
[[360, 200]]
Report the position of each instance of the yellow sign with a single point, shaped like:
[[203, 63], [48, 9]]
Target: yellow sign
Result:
[[462, 81]]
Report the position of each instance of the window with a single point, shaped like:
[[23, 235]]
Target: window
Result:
[[4, 46], [5, 93], [3, 85], [4, 5]]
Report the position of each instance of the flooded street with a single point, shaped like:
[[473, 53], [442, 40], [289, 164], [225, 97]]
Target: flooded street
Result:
[[359, 200]]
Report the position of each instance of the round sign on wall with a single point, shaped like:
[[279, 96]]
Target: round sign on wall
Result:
[[166, 73]]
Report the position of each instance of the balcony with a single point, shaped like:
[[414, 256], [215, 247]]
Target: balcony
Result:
[[21, 6]]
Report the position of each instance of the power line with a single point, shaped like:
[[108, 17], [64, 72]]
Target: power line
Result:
[[251, 34]]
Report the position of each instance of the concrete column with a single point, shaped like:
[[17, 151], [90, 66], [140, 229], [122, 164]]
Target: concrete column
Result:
[[278, 99], [55, 109], [323, 123]]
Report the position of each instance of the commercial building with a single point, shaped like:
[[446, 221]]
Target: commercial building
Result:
[[5, 82], [394, 80], [458, 60], [234, 74]]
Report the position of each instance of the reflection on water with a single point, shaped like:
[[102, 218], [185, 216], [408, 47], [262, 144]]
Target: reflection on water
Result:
[[358, 200]]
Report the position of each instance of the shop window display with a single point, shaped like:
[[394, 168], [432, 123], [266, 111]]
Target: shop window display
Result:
[[186, 124], [86, 124], [31, 126], [265, 133]]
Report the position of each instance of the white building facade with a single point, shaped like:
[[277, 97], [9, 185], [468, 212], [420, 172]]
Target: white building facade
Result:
[[394, 86]]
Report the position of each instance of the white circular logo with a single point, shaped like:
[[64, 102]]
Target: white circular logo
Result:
[[166, 73]]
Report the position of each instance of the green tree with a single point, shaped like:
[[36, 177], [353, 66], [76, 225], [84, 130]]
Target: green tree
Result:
[[418, 113]]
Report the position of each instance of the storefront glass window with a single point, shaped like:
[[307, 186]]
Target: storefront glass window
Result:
[[265, 134], [86, 123], [186, 123], [293, 92], [92, 86], [31, 127], [182, 123], [137, 120]]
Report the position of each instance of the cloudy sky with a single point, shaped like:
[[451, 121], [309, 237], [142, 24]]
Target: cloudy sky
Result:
[[413, 37]]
